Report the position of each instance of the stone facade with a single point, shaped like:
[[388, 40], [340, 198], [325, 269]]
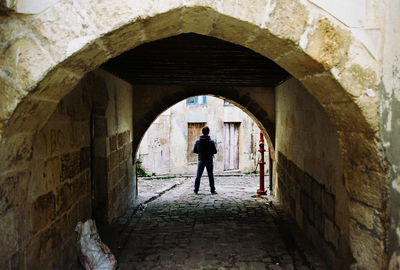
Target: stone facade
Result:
[[164, 148], [347, 61]]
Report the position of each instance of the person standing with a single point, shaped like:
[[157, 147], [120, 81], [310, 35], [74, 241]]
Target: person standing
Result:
[[205, 149]]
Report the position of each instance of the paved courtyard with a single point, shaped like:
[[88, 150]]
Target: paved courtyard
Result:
[[177, 229]]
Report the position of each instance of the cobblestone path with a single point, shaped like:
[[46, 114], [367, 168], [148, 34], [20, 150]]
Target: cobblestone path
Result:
[[230, 230]]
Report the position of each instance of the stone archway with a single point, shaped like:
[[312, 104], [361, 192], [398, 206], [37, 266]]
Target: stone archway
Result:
[[46, 55]]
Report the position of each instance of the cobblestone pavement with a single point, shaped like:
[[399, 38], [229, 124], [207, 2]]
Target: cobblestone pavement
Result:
[[233, 229]]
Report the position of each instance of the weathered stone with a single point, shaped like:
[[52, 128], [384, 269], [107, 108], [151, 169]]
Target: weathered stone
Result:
[[163, 25], [331, 232], [15, 152], [324, 92], [368, 249], [64, 198], [84, 158], [365, 186], [113, 143], [198, 19], [298, 64], [328, 44], [25, 60], [39, 111], [368, 217], [292, 14], [62, 228], [43, 211], [9, 234], [9, 97], [328, 204], [233, 30], [70, 165], [46, 175], [13, 190], [113, 160], [18, 261], [123, 138], [81, 186]]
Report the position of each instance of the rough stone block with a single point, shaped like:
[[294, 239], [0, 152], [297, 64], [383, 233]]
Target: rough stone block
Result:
[[25, 60], [81, 185], [127, 151], [368, 217], [43, 211], [16, 151], [316, 192], [85, 208], [365, 186], [13, 190], [73, 216], [198, 20], [18, 261], [123, 138], [100, 126], [113, 160], [121, 155], [36, 110], [328, 204], [113, 143], [319, 219], [123, 170], [69, 255], [61, 227], [307, 185], [9, 98], [9, 235], [323, 43], [84, 158], [163, 25], [331, 232], [64, 198], [367, 249], [70, 165], [113, 177], [33, 253]]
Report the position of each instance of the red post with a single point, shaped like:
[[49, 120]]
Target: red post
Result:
[[261, 191]]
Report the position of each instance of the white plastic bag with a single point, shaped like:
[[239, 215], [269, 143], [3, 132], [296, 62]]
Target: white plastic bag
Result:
[[93, 254]]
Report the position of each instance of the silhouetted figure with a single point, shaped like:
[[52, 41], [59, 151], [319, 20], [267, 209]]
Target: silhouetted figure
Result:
[[205, 148]]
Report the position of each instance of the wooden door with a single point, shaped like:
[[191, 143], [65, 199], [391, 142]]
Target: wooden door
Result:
[[194, 132], [231, 146]]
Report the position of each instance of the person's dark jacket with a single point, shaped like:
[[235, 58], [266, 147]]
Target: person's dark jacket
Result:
[[205, 148]]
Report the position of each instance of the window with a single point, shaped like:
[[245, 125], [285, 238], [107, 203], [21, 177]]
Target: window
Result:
[[196, 100], [227, 103]]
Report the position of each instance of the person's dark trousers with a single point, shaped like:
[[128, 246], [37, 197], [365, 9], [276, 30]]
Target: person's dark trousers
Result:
[[200, 168]]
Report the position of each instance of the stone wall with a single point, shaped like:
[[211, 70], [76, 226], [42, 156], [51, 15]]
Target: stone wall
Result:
[[310, 172], [53, 192], [390, 124], [44, 200], [114, 177]]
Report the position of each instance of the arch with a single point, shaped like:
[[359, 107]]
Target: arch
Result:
[[44, 56]]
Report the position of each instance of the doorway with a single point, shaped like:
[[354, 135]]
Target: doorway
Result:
[[231, 146]]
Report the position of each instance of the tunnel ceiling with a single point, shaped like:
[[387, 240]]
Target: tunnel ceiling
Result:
[[192, 59]]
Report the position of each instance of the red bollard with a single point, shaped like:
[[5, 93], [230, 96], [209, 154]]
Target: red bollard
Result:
[[261, 191]]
